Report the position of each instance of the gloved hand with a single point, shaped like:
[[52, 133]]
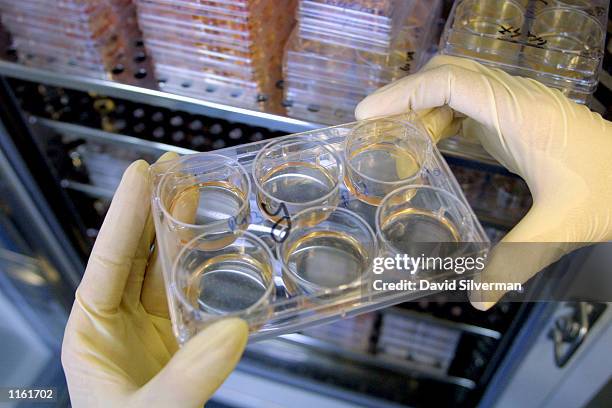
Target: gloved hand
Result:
[[561, 149], [118, 345]]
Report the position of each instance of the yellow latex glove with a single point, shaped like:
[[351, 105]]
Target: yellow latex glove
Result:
[[118, 345], [561, 149]]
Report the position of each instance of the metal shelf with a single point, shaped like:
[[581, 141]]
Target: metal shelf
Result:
[[88, 189], [156, 97], [464, 327], [88, 133], [143, 93], [379, 360]]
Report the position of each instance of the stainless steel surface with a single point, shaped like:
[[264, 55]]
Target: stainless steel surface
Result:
[[380, 360], [111, 138], [43, 225], [481, 331], [88, 189], [455, 147], [156, 98]]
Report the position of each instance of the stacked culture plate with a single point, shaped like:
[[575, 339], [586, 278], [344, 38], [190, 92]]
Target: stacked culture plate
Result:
[[226, 51], [79, 37], [341, 51]]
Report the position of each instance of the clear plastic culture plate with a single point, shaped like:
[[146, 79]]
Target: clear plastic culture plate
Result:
[[71, 67], [559, 43], [286, 233], [369, 12], [317, 113], [196, 10], [216, 88], [406, 18], [96, 28]]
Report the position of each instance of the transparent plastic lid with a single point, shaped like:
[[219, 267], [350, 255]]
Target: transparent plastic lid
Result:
[[165, 72], [326, 58], [374, 13], [202, 34], [58, 49], [96, 26], [314, 112], [42, 11], [288, 233], [197, 9]]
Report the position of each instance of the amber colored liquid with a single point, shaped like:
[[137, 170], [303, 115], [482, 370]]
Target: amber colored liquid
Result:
[[294, 183], [383, 162], [327, 259], [228, 283], [215, 203], [413, 231]]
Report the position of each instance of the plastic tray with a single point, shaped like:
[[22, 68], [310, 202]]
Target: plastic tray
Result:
[[84, 40], [327, 101], [86, 17], [233, 35], [75, 3], [77, 11], [282, 306], [408, 20], [201, 64], [372, 13], [172, 71], [316, 113], [56, 24], [559, 43], [320, 60], [205, 34], [73, 67], [322, 109], [333, 59], [329, 87], [219, 5], [195, 10], [216, 88], [100, 55], [214, 36]]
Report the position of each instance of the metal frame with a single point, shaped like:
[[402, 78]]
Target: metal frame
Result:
[[45, 226], [24, 154], [156, 98], [452, 147]]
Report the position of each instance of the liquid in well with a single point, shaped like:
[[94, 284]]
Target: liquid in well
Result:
[[381, 163], [218, 206], [327, 259], [414, 232], [295, 183], [208, 202], [229, 283]]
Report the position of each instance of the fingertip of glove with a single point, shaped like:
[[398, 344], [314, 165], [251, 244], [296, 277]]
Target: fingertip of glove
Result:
[[361, 111], [482, 306], [232, 332], [139, 166], [231, 325], [477, 303], [167, 156]]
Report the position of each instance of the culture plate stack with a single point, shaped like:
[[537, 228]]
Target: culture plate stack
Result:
[[79, 37], [226, 51], [342, 51], [560, 43]]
